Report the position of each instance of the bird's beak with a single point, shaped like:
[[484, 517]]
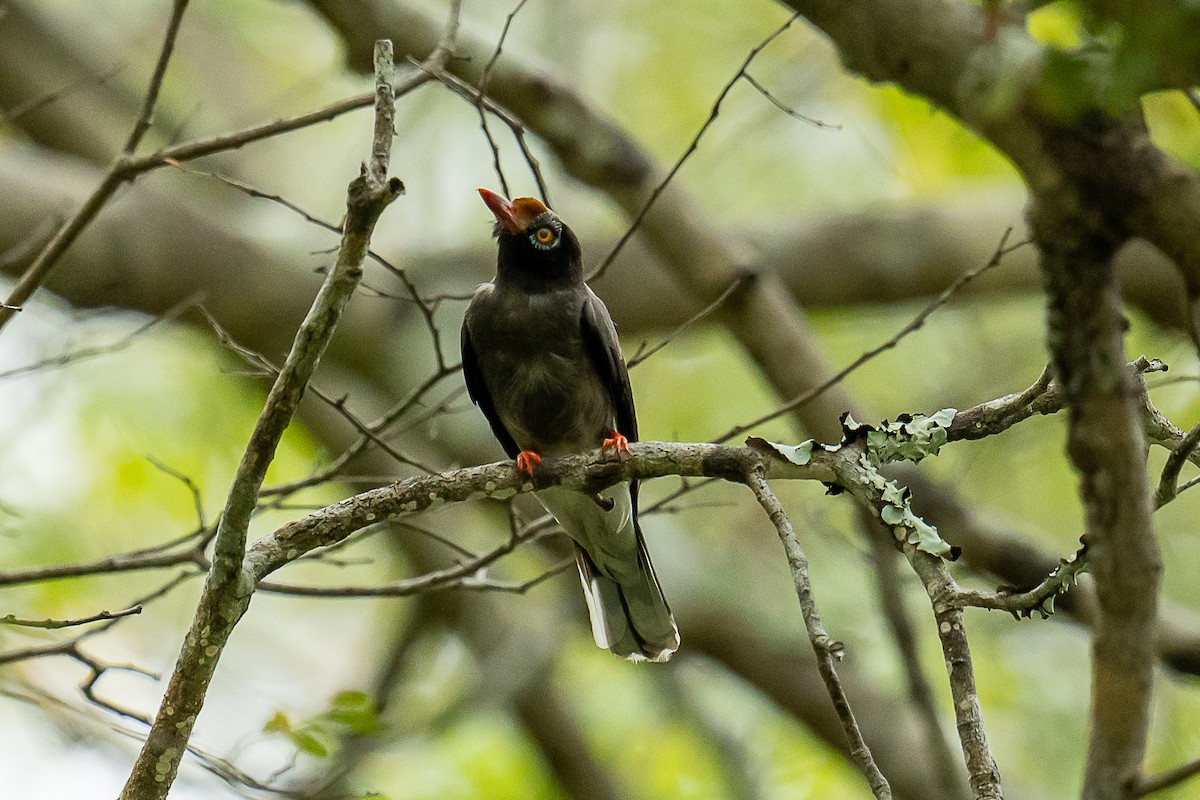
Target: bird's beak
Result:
[[502, 209]]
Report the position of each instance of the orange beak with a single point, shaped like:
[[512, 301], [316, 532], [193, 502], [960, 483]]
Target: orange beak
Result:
[[502, 210], [514, 215]]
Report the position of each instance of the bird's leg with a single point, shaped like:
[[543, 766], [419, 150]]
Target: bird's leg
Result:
[[527, 461], [617, 442]]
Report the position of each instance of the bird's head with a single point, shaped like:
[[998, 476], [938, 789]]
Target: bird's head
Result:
[[535, 245]]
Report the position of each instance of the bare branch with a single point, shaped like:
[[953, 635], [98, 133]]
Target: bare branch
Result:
[[1183, 452], [1172, 777], [55, 624], [791, 112], [943, 593], [228, 589], [826, 649], [35, 274], [946, 767], [193, 489], [475, 96], [29, 106], [370, 433], [1038, 599], [123, 562], [469, 574], [84, 353], [483, 83], [1002, 249], [129, 166], [691, 148], [734, 285], [146, 117]]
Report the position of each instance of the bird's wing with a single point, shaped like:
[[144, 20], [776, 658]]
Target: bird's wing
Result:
[[600, 340], [480, 395]]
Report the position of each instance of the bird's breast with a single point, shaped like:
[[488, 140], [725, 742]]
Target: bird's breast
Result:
[[541, 378]]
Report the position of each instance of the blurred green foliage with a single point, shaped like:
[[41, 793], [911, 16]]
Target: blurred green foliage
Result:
[[83, 486]]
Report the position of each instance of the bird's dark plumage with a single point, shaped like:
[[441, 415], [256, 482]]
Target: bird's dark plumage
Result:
[[542, 361]]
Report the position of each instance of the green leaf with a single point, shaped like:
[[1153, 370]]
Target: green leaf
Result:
[[355, 711], [362, 721], [308, 744], [351, 699], [278, 724]]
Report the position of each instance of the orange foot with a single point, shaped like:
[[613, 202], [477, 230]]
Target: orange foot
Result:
[[527, 460], [617, 442]]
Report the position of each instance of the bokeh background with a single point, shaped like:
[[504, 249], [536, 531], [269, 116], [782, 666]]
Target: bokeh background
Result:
[[466, 694]]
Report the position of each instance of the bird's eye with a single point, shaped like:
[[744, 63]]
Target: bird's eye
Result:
[[547, 235]]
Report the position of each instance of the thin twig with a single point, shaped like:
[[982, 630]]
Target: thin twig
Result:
[[85, 353], [691, 148], [189, 484], [55, 624], [472, 95], [1036, 600], [468, 574], [426, 307], [1172, 777], [267, 367], [109, 565], [71, 647], [129, 166], [31, 105], [791, 112], [483, 86], [1168, 483], [371, 436], [826, 649], [1002, 249], [146, 117], [35, 274], [736, 284]]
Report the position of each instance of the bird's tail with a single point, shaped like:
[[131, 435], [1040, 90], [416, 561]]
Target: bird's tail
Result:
[[629, 614]]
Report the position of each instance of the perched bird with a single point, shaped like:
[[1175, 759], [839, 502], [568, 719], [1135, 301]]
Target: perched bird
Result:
[[541, 360]]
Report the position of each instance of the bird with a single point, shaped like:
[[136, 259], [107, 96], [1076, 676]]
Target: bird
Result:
[[541, 360]]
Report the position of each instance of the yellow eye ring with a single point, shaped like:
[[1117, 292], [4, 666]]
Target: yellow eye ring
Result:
[[545, 235]]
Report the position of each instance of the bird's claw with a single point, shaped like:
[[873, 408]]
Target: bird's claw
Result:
[[527, 461], [617, 443]]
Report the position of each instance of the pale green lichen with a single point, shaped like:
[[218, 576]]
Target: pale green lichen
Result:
[[897, 512], [908, 439], [798, 454]]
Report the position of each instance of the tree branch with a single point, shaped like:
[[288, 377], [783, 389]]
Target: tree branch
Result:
[[947, 770], [35, 274], [228, 589], [1107, 445], [944, 595], [825, 648], [55, 624]]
